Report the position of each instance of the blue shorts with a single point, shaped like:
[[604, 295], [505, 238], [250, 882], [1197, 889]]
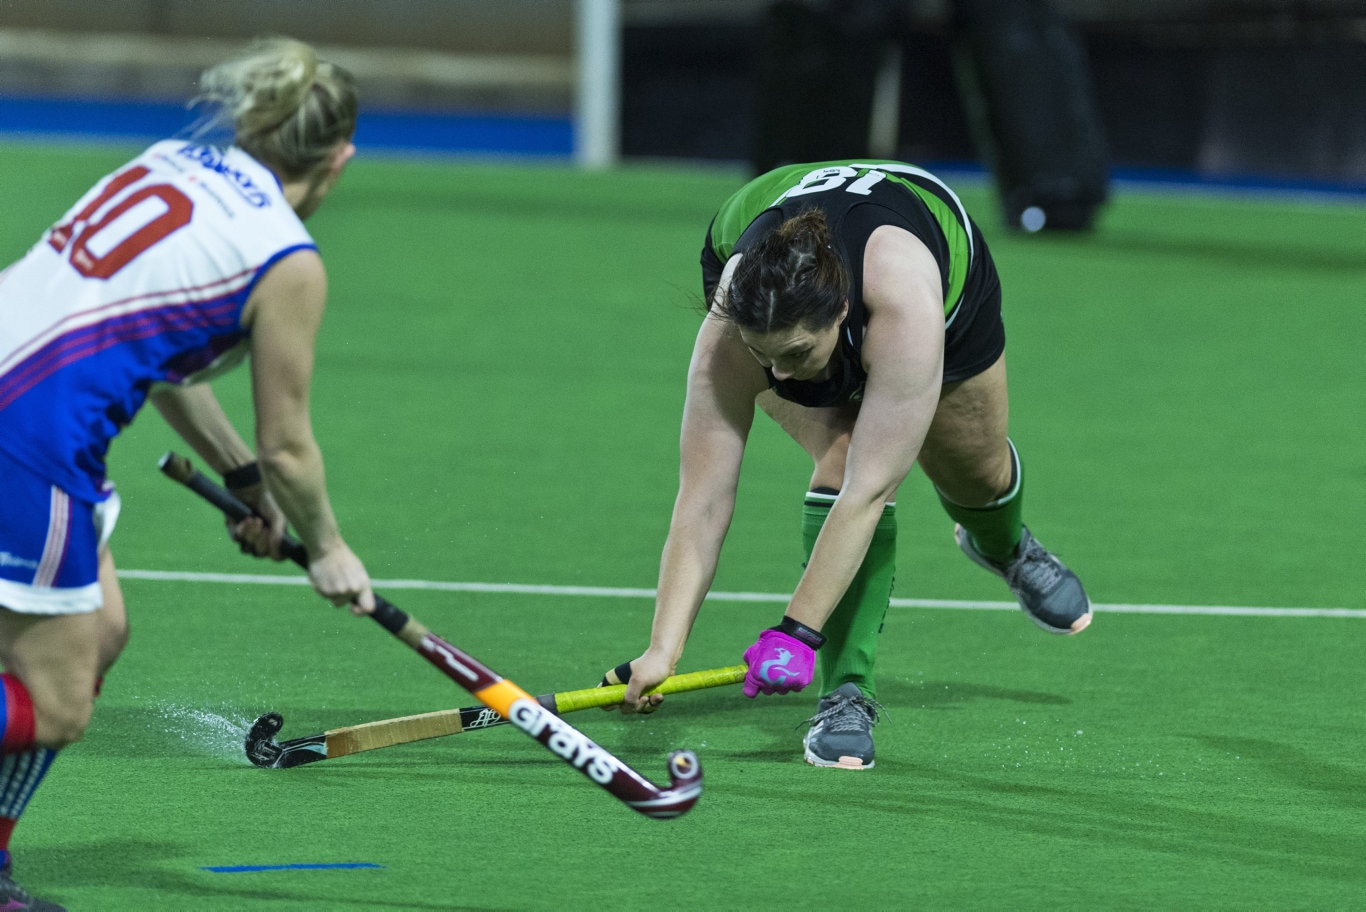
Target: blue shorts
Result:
[[49, 544]]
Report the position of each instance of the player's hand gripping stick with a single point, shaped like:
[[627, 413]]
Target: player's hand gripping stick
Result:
[[783, 659]]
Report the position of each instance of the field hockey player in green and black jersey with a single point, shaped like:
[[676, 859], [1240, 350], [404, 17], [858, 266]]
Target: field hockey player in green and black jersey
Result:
[[857, 305]]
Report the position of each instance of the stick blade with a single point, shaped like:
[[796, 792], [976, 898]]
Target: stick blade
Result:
[[685, 788], [260, 743]]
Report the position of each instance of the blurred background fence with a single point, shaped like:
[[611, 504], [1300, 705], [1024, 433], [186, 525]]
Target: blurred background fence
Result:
[[1273, 89]]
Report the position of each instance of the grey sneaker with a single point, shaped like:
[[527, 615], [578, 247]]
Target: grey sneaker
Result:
[[1048, 592], [841, 730], [14, 898]]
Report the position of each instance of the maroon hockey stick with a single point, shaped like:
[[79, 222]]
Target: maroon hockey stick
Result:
[[499, 694]]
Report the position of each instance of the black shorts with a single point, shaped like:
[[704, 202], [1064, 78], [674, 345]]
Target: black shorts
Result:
[[976, 337]]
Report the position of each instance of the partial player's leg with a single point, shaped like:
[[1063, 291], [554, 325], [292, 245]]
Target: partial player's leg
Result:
[[112, 619], [853, 628], [50, 664], [824, 433], [976, 471], [56, 638], [841, 731]]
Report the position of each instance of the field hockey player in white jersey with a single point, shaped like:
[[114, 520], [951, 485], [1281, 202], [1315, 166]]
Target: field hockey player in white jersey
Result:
[[168, 271]]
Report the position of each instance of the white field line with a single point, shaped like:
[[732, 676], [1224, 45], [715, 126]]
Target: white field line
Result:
[[607, 592]]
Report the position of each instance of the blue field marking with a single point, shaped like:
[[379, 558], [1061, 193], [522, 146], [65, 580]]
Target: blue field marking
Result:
[[251, 869]]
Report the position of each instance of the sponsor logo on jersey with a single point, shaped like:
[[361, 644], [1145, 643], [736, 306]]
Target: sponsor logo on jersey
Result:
[[213, 159], [536, 720]]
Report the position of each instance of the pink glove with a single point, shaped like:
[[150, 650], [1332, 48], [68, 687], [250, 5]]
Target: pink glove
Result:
[[780, 662]]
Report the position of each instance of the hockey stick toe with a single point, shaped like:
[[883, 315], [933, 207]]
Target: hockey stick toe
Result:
[[262, 750]]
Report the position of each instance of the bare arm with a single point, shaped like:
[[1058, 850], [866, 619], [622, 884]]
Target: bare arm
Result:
[[722, 383], [723, 380], [904, 354], [193, 412], [285, 312]]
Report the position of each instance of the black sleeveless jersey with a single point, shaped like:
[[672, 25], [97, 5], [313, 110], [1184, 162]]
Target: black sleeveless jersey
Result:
[[857, 198]]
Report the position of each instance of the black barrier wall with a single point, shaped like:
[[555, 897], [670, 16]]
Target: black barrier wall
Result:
[[1271, 90]]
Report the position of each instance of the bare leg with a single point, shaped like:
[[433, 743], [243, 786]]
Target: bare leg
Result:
[[56, 656], [113, 618], [52, 664], [977, 474], [823, 433], [60, 658], [965, 453]]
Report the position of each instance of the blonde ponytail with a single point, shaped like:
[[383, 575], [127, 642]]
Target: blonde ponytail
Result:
[[282, 104]]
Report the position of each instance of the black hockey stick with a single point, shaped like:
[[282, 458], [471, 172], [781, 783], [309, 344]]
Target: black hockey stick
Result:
[[499, 694]]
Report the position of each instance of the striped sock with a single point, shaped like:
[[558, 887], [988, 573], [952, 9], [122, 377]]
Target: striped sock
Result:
[[20, 775], [22, 766]]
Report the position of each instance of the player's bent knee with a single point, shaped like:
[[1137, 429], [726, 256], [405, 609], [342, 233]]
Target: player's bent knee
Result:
[[979, 490], [113, 640], [971, 490], [971, 482], [59, 720]]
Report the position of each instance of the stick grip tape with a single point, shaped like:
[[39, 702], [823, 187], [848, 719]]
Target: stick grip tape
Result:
[[573, 700]]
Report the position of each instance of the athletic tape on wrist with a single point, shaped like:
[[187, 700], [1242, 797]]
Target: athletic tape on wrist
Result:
[[244, 476]]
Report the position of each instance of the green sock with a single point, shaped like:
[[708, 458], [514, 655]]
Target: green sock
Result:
[[851, 632], [995, 528]]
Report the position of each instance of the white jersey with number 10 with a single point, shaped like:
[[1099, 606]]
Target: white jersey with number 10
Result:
[[142, 282]]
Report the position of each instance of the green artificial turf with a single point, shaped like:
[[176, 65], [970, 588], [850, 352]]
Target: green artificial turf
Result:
[[498, 391]]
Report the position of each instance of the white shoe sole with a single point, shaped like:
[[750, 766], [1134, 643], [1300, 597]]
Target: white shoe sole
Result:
[[844, 763]]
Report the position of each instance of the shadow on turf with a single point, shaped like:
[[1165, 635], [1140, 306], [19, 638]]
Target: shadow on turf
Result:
[[149, 730], [1295, 765], [125, 864], [947, 694]]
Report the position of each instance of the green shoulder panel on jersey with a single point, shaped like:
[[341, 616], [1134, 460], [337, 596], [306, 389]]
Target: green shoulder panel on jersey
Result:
[[767, 190], [745, 205], [948, 211]]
